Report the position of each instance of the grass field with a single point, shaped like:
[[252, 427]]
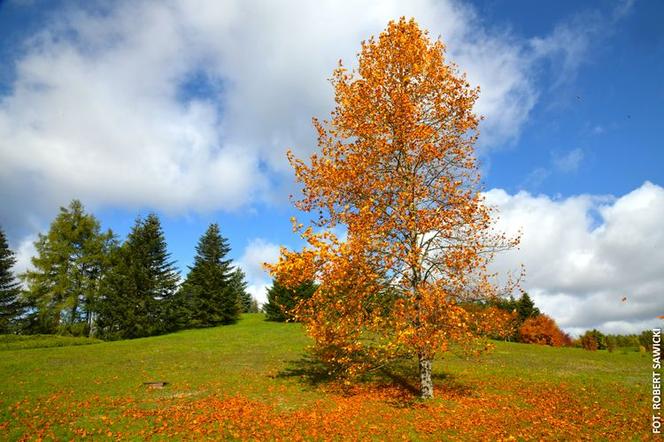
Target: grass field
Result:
[[18, 342], [251, 381]]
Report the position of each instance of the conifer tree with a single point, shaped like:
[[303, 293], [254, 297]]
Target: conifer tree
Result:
[[253, 306], [10, 304], [63, 286], [239, 286], [208, 292], [526, 309], [508, 304], [140, 288], [281, 300]]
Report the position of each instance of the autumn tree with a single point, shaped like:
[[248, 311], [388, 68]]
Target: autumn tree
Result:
[[543, 330], [492, 321], [282, 301], [396, 167], [593, 340], [521, 310], [10, 303]]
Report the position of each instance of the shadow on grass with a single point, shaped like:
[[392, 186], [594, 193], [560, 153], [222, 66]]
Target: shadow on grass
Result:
[[401, 377], [310, 371], [405, 375]]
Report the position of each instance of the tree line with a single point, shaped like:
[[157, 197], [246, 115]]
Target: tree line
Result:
[[85, 282], [596, 340], [531, 326], [525, 323]]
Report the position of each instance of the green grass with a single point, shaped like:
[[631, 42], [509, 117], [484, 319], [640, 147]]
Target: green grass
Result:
[[259, 360], [205, 360], [18, 342]]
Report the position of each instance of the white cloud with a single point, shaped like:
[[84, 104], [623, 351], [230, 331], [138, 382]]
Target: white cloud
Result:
[[569, 43], [256, 253], [584, 254], [535, 178], [568, 162], [103, 109], [102, 106], [23, 254]]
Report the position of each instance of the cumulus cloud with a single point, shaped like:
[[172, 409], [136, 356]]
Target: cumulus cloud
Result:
[[256, 253], [190, 105], [23, 254], [584, 254]]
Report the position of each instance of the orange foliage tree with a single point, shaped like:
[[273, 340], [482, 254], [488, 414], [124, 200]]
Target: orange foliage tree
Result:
[[543, 330], [396, 169], [589, 342]]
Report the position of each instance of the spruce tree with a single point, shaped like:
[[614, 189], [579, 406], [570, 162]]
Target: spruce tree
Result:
[[282, 300], [508, 304], [208, 292], [141, 287], [63, 286], [253, 306], [10, 303], [239, 286], [525, 307]]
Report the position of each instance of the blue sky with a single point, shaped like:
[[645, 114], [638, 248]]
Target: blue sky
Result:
[[186, 109]]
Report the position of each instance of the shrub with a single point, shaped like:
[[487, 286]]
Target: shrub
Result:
[[593, 340], [645, 340], [493, 322], [543, 330], [589, 342]]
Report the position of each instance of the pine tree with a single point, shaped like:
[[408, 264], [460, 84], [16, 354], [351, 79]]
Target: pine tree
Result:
[[525, 307], [508, 304], [239, 286], [181, 308], [71, 260], [253, 307], [10, 304], [208, 292], [281, 301], [141, 287]]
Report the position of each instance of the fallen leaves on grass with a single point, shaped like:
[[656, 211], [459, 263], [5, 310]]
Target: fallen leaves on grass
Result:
[[481, 411]]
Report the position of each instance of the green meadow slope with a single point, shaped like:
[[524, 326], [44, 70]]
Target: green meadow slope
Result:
[[252, 381]]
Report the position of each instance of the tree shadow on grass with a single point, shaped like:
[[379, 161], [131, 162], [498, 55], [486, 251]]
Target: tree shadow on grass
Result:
[[308, 370], [405, 375], [397, 382]]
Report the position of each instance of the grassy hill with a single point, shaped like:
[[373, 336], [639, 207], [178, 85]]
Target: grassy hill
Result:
[[252, 381]]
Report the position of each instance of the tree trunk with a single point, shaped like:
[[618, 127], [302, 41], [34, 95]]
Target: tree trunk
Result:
[[426, 383]]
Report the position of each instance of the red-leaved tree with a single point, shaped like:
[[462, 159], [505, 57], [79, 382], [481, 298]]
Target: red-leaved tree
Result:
[[543, 330]]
